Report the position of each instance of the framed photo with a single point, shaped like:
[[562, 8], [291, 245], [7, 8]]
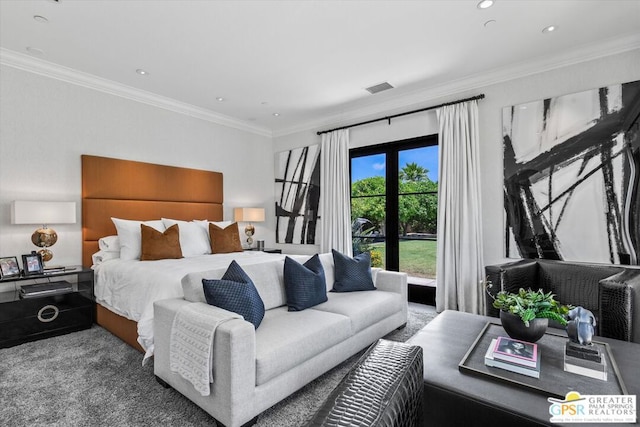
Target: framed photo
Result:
[[32, 263], [9, 267]]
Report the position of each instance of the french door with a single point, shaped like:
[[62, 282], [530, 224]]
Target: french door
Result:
[[394, 204]]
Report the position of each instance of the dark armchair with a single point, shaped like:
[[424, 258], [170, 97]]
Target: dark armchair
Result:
[[610, 292]]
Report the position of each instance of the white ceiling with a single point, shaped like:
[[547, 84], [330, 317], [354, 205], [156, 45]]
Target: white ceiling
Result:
[[309, 61]]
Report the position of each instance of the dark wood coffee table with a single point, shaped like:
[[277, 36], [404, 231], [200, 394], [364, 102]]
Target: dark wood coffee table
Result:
[[453, 397]]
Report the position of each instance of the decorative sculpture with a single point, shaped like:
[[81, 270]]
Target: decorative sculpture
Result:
[[581, 325]]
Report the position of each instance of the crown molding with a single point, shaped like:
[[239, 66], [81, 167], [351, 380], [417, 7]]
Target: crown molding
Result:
[[421, 97], [418, 97], [48, 69]]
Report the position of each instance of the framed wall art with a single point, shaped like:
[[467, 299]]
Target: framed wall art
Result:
[[571, 176], [297, 195]]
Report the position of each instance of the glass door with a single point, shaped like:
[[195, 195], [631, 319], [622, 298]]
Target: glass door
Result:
[[368, 206], [417, 212], [394, 205]]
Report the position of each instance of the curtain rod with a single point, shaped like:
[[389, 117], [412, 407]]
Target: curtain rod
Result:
[[388, 118]]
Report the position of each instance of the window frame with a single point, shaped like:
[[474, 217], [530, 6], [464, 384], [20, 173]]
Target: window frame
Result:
[[391, 151]]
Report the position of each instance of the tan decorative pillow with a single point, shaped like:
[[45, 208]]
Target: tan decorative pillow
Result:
[[158, 245], [225, 240]]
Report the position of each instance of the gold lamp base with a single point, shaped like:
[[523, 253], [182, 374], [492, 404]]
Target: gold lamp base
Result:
[[46, 254], [249, 230], [44, 238]]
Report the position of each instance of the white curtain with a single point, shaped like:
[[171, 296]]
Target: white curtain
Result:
[[460, 264], [335, 201]]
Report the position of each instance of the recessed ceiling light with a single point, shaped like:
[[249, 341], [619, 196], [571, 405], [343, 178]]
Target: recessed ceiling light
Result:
[[40, 19], [276, 114], [484, 4], [141, 72], [549, 29], [219, 99], [489, 23], [35, 50]]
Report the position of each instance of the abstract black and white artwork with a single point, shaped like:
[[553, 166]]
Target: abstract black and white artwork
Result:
[[297, 195], [571, 176]]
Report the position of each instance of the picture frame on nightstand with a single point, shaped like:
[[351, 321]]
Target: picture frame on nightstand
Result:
[[9, 267], [32, 264]]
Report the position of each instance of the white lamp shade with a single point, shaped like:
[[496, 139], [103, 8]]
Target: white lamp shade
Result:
[[248, 214], [44, 213]]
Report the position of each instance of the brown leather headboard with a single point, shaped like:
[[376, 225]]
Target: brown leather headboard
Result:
[[142, 191]]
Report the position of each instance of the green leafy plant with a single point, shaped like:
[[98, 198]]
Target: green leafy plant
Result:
[[528, 305], [376, 258]]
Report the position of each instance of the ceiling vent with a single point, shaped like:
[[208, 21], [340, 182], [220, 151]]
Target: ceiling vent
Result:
[[379, 88]]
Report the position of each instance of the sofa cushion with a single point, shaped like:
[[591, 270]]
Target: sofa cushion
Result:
[[286, 339], [304, 283], [267, 277], [352, 274], [362, 308], [327, 262], [235, 292]]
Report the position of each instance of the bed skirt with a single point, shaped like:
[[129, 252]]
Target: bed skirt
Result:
[[123, 328]]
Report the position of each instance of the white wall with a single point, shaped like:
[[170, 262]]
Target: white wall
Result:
[[600, 72], [46, 124]]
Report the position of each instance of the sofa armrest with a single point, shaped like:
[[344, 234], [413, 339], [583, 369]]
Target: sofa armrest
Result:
[[618, 294], [396, 282], [234, 364], [392, 281], [509, 277]]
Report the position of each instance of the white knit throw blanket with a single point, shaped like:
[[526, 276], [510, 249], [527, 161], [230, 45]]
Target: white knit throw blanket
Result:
[[191, 346]]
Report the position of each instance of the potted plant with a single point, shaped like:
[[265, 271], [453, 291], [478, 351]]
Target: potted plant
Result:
[[525, 315]]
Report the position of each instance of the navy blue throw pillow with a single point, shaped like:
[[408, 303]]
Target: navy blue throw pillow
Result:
[[352, 274], [304, 283], [235, 292]]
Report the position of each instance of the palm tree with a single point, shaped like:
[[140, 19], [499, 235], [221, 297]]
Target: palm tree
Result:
[[413, 172]]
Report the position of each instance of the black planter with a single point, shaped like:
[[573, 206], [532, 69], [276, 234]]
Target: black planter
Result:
[[516, 329]]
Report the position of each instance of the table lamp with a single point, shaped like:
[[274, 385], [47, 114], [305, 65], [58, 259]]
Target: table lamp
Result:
[[249, 215], [44, 213]]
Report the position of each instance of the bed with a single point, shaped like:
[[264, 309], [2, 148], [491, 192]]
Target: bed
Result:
[[126, 289]]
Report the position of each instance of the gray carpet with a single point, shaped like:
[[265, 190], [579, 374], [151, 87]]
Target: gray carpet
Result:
[[91, 378]]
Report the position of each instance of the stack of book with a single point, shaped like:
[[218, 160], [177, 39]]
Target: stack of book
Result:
[[513, 355]]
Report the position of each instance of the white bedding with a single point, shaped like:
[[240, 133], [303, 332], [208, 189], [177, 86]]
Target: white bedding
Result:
[[130, 287]]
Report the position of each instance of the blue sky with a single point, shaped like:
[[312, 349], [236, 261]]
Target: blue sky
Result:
[[374, 165]]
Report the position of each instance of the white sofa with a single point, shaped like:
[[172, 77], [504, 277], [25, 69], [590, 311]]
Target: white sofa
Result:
[[255, 368]]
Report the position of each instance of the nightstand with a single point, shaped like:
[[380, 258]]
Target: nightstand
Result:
[[267, 250], [45, 315]]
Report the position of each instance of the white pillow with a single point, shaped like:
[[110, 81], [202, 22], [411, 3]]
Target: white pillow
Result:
[[222, 224], [102, 256], [109, 244], [194, 240], [130, 236], [205, 224]]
